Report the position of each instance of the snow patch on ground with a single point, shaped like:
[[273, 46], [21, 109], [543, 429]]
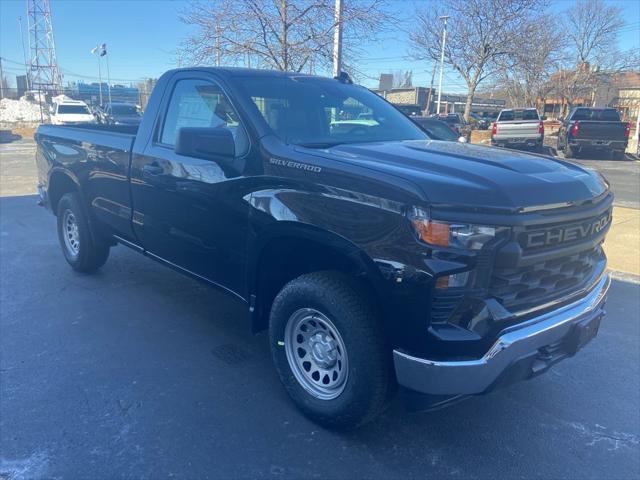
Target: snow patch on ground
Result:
[[21, 111], [30, 468]]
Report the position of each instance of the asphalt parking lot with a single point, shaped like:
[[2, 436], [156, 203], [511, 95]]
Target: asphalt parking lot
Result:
[[138, 372]]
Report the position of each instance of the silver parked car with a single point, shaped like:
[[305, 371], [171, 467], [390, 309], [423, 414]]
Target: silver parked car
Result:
[[518, 128]]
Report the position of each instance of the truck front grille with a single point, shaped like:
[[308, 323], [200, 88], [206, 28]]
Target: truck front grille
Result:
[[545, 281]]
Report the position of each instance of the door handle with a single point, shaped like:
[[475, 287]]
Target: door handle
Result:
[[152, 169]]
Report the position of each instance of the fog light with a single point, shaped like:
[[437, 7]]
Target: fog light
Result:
[[453, 281]]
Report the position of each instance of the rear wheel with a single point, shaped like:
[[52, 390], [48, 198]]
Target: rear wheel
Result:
[[569, 152], [330, 351], [618, 155], [80, 250]]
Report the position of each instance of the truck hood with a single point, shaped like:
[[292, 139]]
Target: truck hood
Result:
[[451, 173]]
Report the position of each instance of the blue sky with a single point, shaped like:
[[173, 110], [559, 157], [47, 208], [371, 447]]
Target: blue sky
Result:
[[142, 36]]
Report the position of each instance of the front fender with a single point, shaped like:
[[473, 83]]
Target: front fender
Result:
[[372, 232]]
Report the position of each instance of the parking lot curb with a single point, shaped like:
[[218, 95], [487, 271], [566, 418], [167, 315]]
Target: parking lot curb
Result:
[[622, 244], [625, 277]]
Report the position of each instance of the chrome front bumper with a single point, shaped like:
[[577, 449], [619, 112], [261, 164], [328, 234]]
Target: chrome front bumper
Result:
[[525, 344]]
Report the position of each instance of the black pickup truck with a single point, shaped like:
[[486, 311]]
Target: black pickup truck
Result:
[[374, 256], [593, 129]]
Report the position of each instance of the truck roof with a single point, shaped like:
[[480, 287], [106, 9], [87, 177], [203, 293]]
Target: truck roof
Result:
[[243, 71], [517, 109], [70, 102]]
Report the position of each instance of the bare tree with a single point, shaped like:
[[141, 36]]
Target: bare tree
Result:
[[288, 35], [480, 34], [525, 75], [591, 56], [402, 79]]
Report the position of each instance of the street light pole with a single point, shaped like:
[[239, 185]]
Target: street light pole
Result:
[[1, 80], [444, 39], [106, 55], [24, 54], [337, 40], [96, 51]]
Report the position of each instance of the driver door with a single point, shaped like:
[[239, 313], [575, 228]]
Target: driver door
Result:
[[185, 210]]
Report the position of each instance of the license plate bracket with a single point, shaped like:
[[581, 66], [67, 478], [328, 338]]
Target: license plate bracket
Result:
[[581, 334]]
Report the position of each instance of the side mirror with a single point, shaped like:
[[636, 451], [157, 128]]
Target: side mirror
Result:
[[462, 139], [205, 142]]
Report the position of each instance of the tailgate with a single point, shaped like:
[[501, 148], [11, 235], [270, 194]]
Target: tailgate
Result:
[[518, 128], [602, 130]]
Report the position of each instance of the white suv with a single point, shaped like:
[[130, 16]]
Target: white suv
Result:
[[70, 111]]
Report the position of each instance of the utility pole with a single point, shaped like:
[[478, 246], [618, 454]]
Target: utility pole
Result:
[[24, 54], [337, 40], [106, 55], [430, 96], [1, 80], [96, 51], [638, 133], [444, 40]]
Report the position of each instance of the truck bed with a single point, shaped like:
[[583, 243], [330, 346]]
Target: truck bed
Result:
[[98, 157]]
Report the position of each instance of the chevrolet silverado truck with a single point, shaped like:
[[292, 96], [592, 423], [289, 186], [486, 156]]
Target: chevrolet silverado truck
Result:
[[593, 129], [518, 128], [375, 257]]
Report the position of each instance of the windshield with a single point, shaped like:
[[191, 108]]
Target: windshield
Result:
[[509, 115], [598, 115], [317, 112], [124, 110], [77, 109], [436, 129]]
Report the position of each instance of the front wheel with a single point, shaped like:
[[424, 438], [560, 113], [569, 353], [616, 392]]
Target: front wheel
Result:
[[80, 249], [329, 349]]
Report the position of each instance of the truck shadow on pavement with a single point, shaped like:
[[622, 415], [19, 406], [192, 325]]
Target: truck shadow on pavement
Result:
[[139, 355], [7, 136]]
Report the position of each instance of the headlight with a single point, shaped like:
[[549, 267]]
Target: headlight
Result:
[[456, 235]]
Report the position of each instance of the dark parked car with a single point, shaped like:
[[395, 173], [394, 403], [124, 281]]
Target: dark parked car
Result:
[[409, 110], [374, 256], [455, 121], [593, 129], [437, 129], [481, 123], [120, 114]]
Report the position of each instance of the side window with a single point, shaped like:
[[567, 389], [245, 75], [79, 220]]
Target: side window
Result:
[[199, 103]]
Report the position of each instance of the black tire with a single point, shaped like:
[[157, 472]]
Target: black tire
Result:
[[80, 249], [617, 154], [568, 151], [369, 382]]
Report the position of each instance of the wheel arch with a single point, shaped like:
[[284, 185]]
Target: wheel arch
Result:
[[291, 249], [61, 182]]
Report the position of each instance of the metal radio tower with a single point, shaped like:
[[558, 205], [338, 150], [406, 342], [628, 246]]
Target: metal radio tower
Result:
[[43, 64]]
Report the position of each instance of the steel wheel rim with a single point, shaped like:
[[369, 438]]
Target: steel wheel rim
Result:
[[70, 233], [316, 353]]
